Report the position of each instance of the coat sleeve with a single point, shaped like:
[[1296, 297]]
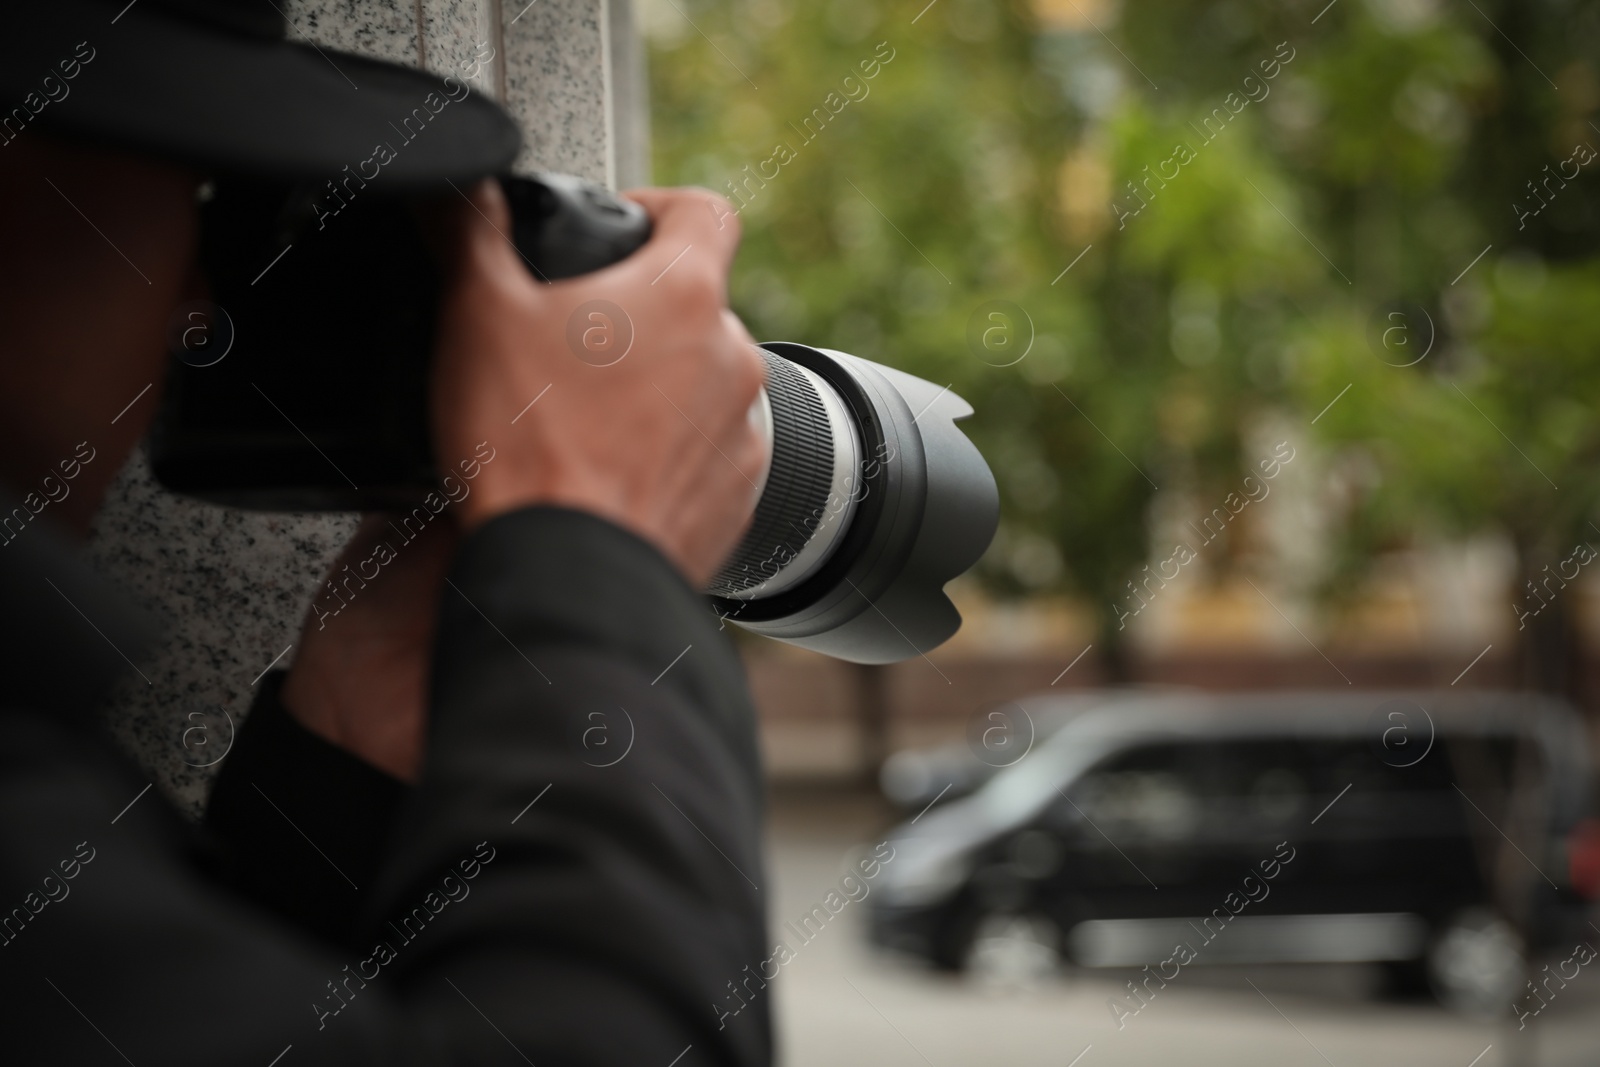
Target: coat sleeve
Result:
[[576, 879], [591, 732], [279, 776]]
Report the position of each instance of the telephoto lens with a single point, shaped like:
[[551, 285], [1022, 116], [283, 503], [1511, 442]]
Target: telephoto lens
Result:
[[872, 502]]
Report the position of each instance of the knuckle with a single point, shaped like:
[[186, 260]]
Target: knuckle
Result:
[[709, 210], [708, 196], [723, 214], [695, 287], [754, 456], [749, 373]]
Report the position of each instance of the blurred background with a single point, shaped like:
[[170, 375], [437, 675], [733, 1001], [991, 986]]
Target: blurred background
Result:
[[1282, 324]]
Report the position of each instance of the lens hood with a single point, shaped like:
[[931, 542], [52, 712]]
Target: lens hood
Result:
[[925, 508]]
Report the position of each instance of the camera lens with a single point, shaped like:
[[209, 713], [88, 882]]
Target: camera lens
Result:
[[811, 488], [874, 500]]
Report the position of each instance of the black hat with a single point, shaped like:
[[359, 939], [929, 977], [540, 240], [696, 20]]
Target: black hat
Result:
[[214, 83]]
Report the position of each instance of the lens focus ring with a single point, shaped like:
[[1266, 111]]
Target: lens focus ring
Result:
[[801, 483]]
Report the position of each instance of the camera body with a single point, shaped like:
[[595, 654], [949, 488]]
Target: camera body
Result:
[[303, 386]]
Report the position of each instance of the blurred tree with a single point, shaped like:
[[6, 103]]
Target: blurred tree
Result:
[[1202, 214], [930, 193], [1480, 413]]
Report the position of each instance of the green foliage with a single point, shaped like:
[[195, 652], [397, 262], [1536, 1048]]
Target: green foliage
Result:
[[1371, 165]]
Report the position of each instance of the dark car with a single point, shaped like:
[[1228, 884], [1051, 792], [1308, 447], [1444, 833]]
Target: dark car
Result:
[[1443, 835]]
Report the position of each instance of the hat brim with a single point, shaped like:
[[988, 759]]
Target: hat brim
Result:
[[227, 101]]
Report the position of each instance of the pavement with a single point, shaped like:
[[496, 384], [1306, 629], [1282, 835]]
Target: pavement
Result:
[[840, 1003]]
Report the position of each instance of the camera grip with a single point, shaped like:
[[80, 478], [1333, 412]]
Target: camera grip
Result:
[[566, 226]]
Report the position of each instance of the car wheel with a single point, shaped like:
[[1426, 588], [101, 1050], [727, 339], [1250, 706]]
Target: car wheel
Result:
[[1014, 950], [1476, 965], [951, 943]]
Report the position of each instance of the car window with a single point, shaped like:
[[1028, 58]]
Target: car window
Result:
[[1247, 788], [1146, 792]]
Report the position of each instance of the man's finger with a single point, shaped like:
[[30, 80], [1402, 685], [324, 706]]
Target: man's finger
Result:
[[697, 219]]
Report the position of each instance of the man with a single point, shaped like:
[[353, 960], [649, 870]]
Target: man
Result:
[[408, 860]]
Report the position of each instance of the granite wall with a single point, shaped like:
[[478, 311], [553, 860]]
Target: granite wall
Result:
[[230, 587]]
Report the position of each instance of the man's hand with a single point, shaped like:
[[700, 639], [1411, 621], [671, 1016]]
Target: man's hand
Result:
[[360, 677], [659, 442]]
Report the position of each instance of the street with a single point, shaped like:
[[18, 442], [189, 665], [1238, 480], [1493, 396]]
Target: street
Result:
[[841, 1003]]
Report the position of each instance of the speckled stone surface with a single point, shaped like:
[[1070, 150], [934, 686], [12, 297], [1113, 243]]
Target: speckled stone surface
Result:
[[385, 29], [230, 587], [455, 34], [560, 94]]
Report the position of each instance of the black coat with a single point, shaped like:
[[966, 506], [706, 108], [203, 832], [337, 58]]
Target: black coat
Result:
[[524, 903]]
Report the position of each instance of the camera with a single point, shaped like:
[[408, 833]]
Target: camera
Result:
[[302, 386]]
